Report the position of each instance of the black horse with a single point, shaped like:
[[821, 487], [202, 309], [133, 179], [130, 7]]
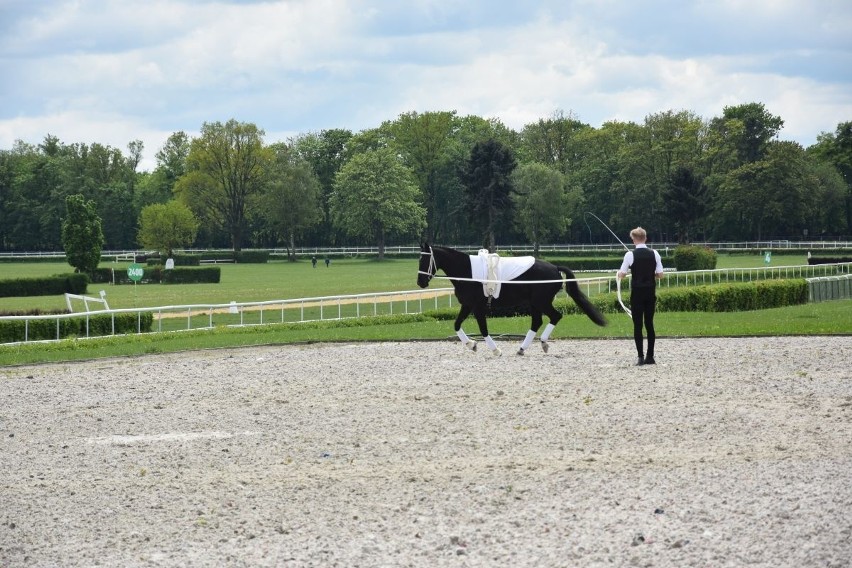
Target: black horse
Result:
[[536, 288]]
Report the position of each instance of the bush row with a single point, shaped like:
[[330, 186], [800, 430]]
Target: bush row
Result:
[[731, 277], [179, 259], [98, 325], [828, 259], [70, 283], [730, 297], [33, 258], [691, 257], [739, 296], [157, 274]]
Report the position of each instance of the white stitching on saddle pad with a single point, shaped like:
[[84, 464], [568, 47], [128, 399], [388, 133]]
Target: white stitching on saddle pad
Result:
[[490, 266]]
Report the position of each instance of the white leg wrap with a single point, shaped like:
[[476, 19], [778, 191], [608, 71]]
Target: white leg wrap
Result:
[[528, 340], [490, 343], [463, 336], [548, 329]]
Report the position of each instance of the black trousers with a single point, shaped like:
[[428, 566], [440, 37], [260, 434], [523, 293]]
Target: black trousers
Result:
[[643, 302]]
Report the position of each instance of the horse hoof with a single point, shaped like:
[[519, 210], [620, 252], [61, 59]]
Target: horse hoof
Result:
[[545, 346], [498, 353], [473, 345], [521, 351]]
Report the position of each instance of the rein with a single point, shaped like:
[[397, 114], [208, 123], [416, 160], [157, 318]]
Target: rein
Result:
[[617, 279], [433, 268], [463, 279]]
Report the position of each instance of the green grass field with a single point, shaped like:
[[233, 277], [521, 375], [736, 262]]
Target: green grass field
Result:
[[283, 280], [277, 280]]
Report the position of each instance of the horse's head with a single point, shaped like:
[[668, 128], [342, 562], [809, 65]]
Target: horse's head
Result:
[[427, 267]]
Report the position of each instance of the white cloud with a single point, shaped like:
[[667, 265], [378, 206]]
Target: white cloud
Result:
[[121, 70]]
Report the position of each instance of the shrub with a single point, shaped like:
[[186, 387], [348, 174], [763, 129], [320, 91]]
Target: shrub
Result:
[[187, 260], [252, 256], [690, 257], [732, 297], [98, 325], [829, 259], [57, 284], [206, 274], [157, 274]]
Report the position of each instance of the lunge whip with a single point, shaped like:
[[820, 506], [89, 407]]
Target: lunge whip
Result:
[[617, 279]]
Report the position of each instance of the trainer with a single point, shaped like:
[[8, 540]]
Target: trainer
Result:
[[646, 266]]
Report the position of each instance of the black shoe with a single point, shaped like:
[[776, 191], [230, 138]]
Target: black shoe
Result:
[[641, 361], [650, 361]]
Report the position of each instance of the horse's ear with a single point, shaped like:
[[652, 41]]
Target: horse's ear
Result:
[[424, 246]]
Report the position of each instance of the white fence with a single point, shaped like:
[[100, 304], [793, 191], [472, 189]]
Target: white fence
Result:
[[830, 288], [517, 248], [209, 316]]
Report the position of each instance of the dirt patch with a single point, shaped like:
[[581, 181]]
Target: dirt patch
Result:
[[728, 452]]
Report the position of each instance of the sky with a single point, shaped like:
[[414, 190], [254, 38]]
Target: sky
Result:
[[114, 71]]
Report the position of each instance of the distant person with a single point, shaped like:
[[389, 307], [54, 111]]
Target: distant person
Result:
[[327, 261], [314, 261], [646, 268]]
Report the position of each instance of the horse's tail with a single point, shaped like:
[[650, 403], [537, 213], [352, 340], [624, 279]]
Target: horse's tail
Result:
[[581, 299]]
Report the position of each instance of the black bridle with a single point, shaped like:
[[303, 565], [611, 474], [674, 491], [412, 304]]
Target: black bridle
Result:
[[433, 268]]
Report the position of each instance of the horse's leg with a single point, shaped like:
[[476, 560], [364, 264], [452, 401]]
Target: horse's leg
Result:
[[534, 326], [466, 341], [554, 316], [479, 314]]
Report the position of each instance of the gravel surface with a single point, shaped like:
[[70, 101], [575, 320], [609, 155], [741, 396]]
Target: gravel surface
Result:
[[728, 452]]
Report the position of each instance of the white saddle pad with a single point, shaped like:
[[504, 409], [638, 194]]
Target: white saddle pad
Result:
[[489, 267]]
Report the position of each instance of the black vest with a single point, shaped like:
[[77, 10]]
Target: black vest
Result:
[[643, 268]]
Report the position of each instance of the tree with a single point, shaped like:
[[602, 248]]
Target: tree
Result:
[[685, 199], [225, 168], [423, 140], [326, 154], [486, 177], [743, 133], [375, 197], [767, 197], [166, 226], [82, 236], [134, 154], [836, 149], [553, 141], [541, 202], [292, 201]]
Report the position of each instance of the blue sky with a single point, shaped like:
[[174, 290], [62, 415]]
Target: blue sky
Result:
[[112, 71]]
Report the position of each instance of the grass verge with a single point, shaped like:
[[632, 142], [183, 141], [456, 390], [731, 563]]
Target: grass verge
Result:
[[826, 318]]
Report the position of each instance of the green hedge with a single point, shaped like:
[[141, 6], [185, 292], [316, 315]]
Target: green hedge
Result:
[[828, 259], [242, 257], [691, 257], [730, 277], [738, 296], [187, 260], [732, 297], [99, 325], [157, 274], [32, 258], [72, 283]]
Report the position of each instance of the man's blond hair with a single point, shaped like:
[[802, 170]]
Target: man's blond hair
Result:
[[638, 234]]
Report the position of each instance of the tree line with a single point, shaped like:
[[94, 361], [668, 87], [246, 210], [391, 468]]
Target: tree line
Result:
[[440, 177]]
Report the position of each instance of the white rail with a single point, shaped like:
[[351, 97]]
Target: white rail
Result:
[[208, 316]]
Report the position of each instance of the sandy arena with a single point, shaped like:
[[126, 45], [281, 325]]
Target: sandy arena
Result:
[[728, 452]]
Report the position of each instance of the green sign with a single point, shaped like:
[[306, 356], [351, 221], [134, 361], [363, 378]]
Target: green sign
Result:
[[135, 272]]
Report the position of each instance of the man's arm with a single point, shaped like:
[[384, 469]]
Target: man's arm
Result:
[[625, 265]]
